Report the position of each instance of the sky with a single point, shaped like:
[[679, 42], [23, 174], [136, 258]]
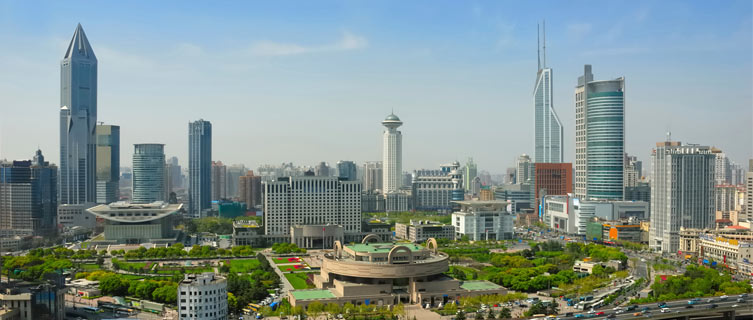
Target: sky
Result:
[[310, 81]]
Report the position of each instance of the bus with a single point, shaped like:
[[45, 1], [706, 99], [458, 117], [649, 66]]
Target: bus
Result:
[[254, 307], [90, 309]]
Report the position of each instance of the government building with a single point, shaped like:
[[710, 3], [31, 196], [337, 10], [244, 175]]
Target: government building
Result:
[[131, 223]]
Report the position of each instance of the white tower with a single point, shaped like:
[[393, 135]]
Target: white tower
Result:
[[393, 155]]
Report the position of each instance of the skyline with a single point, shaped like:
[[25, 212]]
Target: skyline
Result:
[[444, 81]]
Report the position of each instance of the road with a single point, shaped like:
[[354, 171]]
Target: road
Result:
[[678, 308]]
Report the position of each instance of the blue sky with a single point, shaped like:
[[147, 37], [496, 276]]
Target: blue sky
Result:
[[310, 81]]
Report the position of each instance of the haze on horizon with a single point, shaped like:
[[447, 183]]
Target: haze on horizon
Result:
[[309, 82]]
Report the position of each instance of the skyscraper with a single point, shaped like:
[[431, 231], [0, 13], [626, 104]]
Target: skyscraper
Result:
[[219, 180], [321, 169], [78, 117], [682, 192], [249, 187], [372, 176], [548, 132], [471, 171], [392, 155], [347, 170], [108, 162], [748, 193], [148, 173], [199, 167], [524, 171], [599, 137], [234, 172], [722, 167], [28, 197]]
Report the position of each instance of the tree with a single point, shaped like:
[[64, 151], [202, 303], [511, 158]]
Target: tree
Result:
[[450, 308], [399, 310], [460, 316], [478, 316], [505, 313], [490, 315], [232, 302], [314, 309], [332, 309], [100, 261]]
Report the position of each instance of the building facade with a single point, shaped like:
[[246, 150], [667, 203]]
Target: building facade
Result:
[[552, 179], [524, 170], [249, 189], [148, 173], [633, 171], [28, 197], [202, 297], [309, 200], [234, 172], [682, 192], [219, 181], [469, 173], [372, 176], [420, 231], [483, 220], [434, 190], [132, 223], [199, 167], [78, 117], [108, 162], [548, 131], [347, 170], [599, 137], [392, 155]]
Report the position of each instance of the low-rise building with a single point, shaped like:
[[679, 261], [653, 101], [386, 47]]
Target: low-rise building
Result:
[[621, 231], [571, 215], [202, 297], [420, 231], [132, 223], [483, 220], [247, 233], [33, 301], [76, 215], [731, 253], [584, 266]]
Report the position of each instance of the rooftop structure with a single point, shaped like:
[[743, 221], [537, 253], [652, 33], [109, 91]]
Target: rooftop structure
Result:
[[131, 223]]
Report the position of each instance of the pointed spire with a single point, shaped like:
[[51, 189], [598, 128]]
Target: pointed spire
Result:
[[79, 45], [544, 49], [538, 45]]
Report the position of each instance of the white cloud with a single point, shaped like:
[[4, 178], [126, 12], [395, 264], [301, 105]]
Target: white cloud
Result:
[[347, 41]]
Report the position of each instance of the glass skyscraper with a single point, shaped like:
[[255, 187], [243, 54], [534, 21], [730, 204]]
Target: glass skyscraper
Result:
[[108, 162], [148, 173], [28, 197], [347, 170], [548, 132], [199, 167], [599, 137], [78, 117]]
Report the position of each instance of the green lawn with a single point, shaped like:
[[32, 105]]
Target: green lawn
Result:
[[298, 280], [284, 268], [89, 267], [281, 260], [244, 265], [468, 272]]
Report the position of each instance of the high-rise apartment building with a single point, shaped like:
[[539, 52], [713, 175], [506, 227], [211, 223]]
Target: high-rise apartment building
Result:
[[599, 137], [249, 189], [148, 173], [347, 170], [234, 172], [633, 171], [219, 181], [372, 176], [725, 196], [393, 155], [199, 167], [682, 192], [749, 193], [524, 169], [78, 117], [176, 173], [108, 162], [548, 131], [722, 167], [469, 173], [28, 197], [311, 200]]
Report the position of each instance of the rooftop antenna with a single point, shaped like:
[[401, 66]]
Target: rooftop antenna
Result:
[[544, 42], [669, 136], [538, 45]]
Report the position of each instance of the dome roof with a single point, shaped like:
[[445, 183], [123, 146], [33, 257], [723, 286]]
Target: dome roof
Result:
[[392, 117]]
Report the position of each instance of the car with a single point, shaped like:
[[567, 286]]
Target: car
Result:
[[616, 308], [744, 295], [580, 315], [611, 316], [621, 311], [661, 304], [600, 313], [689, 306], [665, 310], [740, 300], [710, 300], [645, 309], [713, 306], [569, 314], [631, 308], [638, 314], [735, 305], [723, 298], [591, 311]]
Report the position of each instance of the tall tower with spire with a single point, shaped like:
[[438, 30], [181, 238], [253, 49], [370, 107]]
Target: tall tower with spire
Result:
[[392, 161], [548, 132], [78, 119]]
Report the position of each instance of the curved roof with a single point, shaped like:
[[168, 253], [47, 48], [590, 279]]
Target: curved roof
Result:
[[134, 213], [392, 117]]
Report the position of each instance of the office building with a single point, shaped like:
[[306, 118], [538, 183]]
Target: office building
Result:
[[483, 220], [599, 137], [175, 173], [398, 201], [311, 200], [486, 194], [372, 176], [510, 176], [132, 223], [640, 192], [249, 188], [322, 169], [72, 217], [388, 274], [108, 162], [569, 214], [148, 173], [22, 300], [234, 172], [633, 173], [548, 131], [392, 155], [420, 231], [682, 192], [248, 233], [725, 197], [28, 197], [735, 255], [434, 190], [552, 179], [372, 202], [521, 196], [524, 170], [347, 170], [469, 173], [219, 181], [199, 167], [202, 297], [78, 118]]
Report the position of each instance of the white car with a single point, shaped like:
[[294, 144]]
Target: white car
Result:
[[616, 308], [665, 310], [592, 311]]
